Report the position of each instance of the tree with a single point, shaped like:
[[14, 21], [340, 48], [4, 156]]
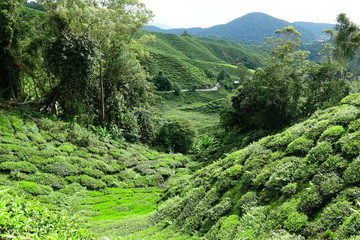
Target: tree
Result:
[[346, 37], [176, 136], [185, 34], [71, 59], [126, 86], [270, 98], [162, 82], [10, 85], [102, 21]]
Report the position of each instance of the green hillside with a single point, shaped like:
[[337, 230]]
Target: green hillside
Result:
[[193, 62], [69, 168], [299, 184]]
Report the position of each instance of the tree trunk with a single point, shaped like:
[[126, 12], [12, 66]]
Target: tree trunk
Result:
[[102, 98]]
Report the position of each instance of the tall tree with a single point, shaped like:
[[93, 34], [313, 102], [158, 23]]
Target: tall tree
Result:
[[102, 21], [346, 37], [9, 64], [270, 98]]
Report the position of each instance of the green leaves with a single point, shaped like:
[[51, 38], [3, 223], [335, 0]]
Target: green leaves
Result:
[[23, 219]]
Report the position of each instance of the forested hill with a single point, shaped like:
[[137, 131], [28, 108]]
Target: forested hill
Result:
[[252, 28]]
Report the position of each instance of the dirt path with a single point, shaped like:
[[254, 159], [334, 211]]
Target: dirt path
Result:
[[215, 88]]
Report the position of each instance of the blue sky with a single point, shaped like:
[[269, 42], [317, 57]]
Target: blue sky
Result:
[[206, 13]]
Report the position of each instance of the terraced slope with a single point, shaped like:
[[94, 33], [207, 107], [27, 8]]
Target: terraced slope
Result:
[[196, 62], [302, 183], [66, 167]]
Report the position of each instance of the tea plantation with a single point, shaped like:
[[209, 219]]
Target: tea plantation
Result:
[[301, 183]]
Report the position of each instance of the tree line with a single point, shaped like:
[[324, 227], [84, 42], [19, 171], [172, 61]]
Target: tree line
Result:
[[290, 86]]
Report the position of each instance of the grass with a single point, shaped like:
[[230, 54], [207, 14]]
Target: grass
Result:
[[201, 109]]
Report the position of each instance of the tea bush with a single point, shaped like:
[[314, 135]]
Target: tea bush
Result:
[[300, 146], [21, 166], [333, 133], [24, 219], [33, 188], [352, 172]]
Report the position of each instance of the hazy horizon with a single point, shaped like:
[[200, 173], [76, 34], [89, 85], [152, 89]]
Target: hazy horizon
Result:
[[204, 13]]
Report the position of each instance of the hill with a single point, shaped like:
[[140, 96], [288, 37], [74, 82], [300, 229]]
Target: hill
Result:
[[302, 183], [191, 61], [71, 169], [252, 28]]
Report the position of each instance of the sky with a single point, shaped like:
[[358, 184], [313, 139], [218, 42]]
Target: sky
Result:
[[207, 13]]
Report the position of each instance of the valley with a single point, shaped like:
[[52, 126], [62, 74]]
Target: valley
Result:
[[110, 130]]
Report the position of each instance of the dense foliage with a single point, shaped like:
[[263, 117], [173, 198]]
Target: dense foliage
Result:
[[83, 61], [65, 59], [24, 219], [299, 184], [288, 87], [176, 136]]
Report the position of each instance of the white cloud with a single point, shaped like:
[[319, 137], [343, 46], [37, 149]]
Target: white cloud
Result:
[[206, 13]]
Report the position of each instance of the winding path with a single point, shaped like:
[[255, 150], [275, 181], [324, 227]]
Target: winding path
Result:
[[215, 88]]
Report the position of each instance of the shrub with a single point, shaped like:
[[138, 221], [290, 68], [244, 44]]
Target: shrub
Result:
[[82, 137], [24, 219], [320, 152], [90, 182], [176, 136], [37, 137], [350, 144], [67, 147], [333, 133], [354, 126], [47, 179], [350, 227], [8, 158], [295, 222], [352, 172], [329, 183], [33, 188], [21, 166], [283, 173], [229, 177], [299, 146], [345, 114], [290, 189], [334, 215], [61, 168], [305, 172], [318, 127], [335, 164], [353, 99], [93, 172], [247, 201], [310, 201], [228, 228], [72, 188]]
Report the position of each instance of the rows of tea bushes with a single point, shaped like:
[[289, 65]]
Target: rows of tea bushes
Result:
[[302, 183]]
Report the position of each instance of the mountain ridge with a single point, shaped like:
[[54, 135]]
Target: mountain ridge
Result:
[[251, 28]]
